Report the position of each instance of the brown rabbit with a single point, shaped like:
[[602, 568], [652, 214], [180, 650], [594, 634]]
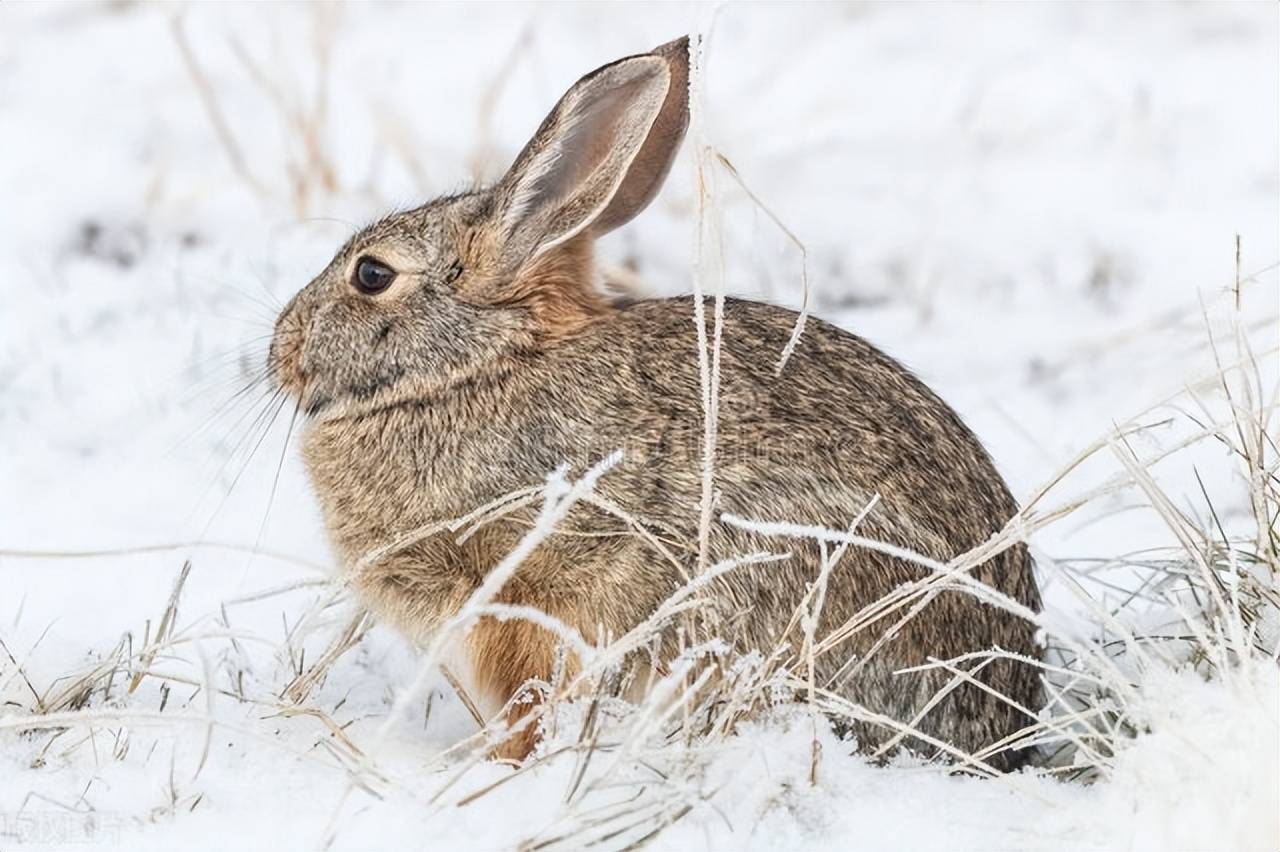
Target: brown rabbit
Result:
[[460, 351]]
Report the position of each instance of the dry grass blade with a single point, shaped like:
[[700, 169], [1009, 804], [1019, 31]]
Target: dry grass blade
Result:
[[463, 696], [22, 673], [213, 108], [802, 317], [165, 629], [297, 690], [106, 553]]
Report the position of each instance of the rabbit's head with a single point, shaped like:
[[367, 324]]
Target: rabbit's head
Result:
[[425, 298]]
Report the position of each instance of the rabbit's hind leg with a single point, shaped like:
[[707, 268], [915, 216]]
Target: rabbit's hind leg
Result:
[[505, 656]]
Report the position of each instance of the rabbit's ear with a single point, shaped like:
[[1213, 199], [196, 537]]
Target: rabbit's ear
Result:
[[649, 169], [600, 156]]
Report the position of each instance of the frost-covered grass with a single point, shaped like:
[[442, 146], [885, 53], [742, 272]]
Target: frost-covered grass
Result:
[[1035, 208]]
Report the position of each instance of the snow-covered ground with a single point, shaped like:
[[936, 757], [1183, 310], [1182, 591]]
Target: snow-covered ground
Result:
[[1027, 204]]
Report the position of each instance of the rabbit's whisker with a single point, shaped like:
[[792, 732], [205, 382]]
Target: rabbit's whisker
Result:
[[229, 375], [252, 412], [259, 320], [237, 358], [245, 385], [272, 306], [253, 345], [275, 481], [259, 427], [255, 382]]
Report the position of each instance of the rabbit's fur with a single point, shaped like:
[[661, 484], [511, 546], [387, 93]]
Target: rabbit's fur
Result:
[[492, 360]]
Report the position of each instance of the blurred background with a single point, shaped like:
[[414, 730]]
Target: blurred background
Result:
[[1025, 203], [1037, 207]]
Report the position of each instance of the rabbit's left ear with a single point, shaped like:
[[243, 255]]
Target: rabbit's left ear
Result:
[[601, 155]]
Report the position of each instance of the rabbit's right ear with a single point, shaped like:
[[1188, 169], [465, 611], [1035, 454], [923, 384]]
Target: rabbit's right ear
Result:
[[601, 155]]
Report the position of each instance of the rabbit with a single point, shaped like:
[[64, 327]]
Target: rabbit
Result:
[[460, 351]]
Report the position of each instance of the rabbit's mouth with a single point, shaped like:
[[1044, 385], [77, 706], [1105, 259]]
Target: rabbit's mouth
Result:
[[325, 397], [316, 405], [286, 364], [284, 360], [287, 360], [358, 394], [313, 400]]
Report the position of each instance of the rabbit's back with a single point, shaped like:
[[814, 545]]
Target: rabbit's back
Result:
[[841, 424]]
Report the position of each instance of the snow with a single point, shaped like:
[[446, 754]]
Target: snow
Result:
[[1027, 204]]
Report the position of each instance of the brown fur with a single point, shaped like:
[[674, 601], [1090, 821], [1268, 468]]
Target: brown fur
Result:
[[554, 290], [506, 655], [491, 361]]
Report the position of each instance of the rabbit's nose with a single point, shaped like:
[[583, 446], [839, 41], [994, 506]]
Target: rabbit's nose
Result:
[[284, 356]]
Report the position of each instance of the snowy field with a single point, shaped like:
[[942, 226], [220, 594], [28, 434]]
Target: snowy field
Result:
[[1036, 208]]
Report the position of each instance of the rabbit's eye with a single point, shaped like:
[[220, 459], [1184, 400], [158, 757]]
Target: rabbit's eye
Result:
[[372, 276]]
